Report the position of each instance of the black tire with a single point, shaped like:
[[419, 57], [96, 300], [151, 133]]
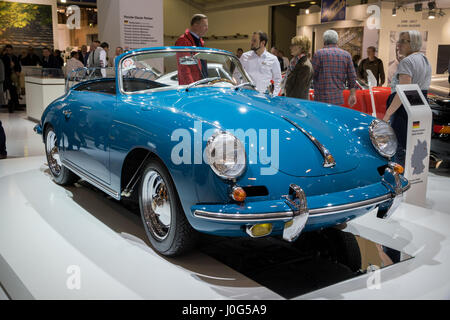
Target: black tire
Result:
[[344, 248], [179, 237], [61, 175]]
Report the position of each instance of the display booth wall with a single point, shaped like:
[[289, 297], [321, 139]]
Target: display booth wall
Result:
[[436, 32]]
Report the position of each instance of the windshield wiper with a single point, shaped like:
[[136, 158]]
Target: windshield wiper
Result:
[[243, 85], [206, 80]]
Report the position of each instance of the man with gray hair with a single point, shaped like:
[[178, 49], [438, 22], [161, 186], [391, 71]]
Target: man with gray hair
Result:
[[333, 68]]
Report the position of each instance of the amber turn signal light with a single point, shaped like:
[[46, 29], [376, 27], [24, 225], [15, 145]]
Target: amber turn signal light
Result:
[[238, 194], [398, 168]]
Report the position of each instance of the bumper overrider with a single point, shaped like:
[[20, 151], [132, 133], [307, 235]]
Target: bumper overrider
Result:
[[293, 212]]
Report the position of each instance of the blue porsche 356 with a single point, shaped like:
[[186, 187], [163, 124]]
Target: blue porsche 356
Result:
[[183, 131]]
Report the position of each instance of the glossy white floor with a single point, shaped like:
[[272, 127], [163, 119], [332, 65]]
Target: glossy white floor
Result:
[[74, 243]]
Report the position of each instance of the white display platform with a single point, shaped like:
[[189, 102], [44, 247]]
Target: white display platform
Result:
[[40, 92], [50, 234]]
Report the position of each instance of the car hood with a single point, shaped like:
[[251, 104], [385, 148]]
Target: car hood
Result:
[[248, 110]]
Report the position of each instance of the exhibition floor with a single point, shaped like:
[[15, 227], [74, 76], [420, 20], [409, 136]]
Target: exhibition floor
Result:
[[77, 243]]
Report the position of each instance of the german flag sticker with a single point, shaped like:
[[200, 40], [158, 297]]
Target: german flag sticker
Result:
[[416, 124]]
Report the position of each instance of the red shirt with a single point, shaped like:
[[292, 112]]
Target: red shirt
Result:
[[188, 74]]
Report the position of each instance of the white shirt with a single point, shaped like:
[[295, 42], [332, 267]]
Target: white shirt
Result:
[[262, 69]]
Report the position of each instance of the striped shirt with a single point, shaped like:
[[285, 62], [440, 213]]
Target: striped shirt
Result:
[[333, 69]]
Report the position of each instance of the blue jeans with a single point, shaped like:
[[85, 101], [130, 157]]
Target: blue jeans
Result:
[[2, 141]]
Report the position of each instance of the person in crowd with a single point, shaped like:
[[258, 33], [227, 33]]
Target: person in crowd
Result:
[[373, 64], [414, 68], [30, 59], [12, 71], [48, 59], [239, 52], [300, 71], [119, 51], [448, 70], [2, 81], [333, 68], [93, 59], [59, 61], [73, 63], [261, 65], [193, 37], [104, 54], [276, 53], [84, 54], [3, 153], [285, 60], [355, 60]]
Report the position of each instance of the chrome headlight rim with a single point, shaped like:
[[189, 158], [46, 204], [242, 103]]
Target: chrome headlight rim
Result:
[[222, 175], [376, 123]]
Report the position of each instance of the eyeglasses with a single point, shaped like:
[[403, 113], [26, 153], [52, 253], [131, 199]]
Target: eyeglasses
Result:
[[403, 41]]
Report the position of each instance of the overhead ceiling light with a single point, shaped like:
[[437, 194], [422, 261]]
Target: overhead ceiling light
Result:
[[431, 14], [432, 5], [312, 2], [292, 4], [394, 12], [63, 1]]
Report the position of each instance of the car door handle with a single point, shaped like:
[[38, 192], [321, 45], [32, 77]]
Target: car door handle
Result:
[[67, 113]]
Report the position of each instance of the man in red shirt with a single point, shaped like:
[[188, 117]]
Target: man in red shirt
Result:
[[192, 37]]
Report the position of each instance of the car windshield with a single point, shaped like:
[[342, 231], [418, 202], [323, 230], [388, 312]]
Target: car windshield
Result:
[[180, 68]]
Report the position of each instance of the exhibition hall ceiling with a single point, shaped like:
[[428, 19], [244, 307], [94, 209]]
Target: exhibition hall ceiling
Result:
[[212, 5]]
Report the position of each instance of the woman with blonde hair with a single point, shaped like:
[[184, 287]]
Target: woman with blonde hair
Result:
[[299, 73], [413, 69]]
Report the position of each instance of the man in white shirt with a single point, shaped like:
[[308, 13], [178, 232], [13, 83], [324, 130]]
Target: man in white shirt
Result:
[[261, 65]]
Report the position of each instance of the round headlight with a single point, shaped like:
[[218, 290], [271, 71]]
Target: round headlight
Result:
[[226, 155], [383, 138]]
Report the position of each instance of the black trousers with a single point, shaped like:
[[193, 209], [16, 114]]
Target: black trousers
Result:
[[14, 102], [2, 141], [399, 122]]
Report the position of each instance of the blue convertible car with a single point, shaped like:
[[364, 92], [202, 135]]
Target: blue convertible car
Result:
[[183, 131]]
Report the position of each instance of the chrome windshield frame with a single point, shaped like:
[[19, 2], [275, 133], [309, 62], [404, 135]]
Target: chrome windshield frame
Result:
[[169, 88]]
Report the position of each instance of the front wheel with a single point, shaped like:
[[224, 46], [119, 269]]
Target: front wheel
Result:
[[164, 220], [60, 173]]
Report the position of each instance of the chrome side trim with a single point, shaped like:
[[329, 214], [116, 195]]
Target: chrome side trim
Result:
[[91, 180], [328, 159], [274, 216]]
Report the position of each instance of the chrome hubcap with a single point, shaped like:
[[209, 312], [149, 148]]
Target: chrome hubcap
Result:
[[156, 205], [54, 161]]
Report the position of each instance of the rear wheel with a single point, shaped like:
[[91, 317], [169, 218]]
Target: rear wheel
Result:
[[60, 173], [164, 220]]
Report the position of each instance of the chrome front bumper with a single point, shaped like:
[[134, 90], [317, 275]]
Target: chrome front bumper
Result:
[[299, 213]]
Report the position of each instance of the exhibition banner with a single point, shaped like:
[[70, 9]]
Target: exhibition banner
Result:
[[141, 24], [26, 24], [333, 10], [351, 39]]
